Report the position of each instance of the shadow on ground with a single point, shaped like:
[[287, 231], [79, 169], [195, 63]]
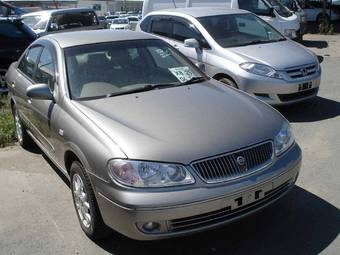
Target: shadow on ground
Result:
[[316, 109], [315, 44], [301, 223]]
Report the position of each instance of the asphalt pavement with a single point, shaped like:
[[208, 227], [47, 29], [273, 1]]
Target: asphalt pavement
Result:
[[37, 214]]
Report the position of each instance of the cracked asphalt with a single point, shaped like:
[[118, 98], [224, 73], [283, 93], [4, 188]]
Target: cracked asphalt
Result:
[[37, 214]]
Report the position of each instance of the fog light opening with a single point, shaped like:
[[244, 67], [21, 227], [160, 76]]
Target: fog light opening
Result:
[[151, 227]]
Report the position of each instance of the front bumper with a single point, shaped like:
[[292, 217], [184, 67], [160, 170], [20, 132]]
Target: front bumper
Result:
[[279, 91], [181, 212]]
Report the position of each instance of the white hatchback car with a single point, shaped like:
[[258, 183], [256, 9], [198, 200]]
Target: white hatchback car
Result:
[[240, 49]]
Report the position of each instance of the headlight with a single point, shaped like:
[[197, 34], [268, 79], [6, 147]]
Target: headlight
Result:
[[148, 174], [290, 33], [284, 139], [260, 69]]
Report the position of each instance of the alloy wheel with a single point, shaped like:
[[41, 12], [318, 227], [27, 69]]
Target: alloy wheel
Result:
[[81, 201]]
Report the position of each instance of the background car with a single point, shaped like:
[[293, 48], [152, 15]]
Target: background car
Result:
[[120, 114], [15, 36], [52, 21], [133, 20], [120, 24], [276, 15], [296, 7], [240, 49], [314, 12]]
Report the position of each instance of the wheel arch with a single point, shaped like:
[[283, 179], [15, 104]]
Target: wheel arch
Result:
[[219, 76], [73, 153]]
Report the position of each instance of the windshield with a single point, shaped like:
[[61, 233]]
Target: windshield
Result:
[[235, 30], [280, 8], [120, 21], [36, 22], [114, 68], [262, 7]]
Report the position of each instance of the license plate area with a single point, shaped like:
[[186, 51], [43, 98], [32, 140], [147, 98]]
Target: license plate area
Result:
[[305, 86], [250, 196], [256, 194]]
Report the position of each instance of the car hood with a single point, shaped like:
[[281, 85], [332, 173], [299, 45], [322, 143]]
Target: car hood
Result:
[[183, 124], [279, 55]]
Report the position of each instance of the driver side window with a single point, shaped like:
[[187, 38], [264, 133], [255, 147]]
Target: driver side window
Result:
[[45, 69], [183, 30]]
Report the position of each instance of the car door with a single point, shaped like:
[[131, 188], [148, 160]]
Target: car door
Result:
[[22, 79], [42, 110], [182, 30]]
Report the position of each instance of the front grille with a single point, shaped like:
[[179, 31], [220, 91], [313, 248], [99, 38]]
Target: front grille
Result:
[[225, 214], [301, 71], [229, 166], [298, 95]]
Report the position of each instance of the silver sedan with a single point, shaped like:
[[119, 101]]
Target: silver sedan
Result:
[[152, 147]]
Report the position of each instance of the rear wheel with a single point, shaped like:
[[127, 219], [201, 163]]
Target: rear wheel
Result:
[[85, 203], [320, 19], [228, 82], [23, 137]]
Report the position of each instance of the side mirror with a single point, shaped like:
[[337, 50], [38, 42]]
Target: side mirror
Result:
[[191, 43], [39, 91]]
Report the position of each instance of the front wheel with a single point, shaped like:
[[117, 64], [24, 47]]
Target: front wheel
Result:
[[228, 82], [85, 204]]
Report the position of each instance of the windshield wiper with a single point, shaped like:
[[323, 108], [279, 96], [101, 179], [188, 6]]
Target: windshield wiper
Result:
[[253, 42], [194, 80], [261, 41], [143, 89]]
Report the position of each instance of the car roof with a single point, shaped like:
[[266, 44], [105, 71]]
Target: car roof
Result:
[[57, 11], [70, 39], [201, 11]]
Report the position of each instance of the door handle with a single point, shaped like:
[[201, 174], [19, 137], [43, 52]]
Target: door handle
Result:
[[176, 46], [29, 100], [13, 84]]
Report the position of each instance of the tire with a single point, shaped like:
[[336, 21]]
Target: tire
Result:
[[23, 137], [320, 18], [228, 82], [85, 204]]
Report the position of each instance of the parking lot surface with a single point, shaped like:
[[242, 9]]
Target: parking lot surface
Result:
[[37, 214]]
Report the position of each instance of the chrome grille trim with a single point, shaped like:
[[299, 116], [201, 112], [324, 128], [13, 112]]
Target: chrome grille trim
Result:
[[301, 71], [224, 167]]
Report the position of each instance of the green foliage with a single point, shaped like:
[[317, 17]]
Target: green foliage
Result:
[[7, 128]]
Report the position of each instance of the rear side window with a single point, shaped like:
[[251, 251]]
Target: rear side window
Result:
[[161, 26], [29, 62], [181, 32], [11, 30], [45, 69], [144, 26]]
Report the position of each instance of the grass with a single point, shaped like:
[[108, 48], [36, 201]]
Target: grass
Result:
[[7, 128]]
